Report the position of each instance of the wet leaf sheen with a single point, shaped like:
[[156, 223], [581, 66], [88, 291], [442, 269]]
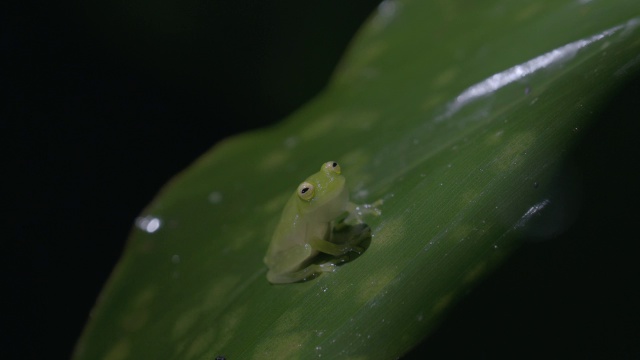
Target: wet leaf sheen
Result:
[[456, 113]]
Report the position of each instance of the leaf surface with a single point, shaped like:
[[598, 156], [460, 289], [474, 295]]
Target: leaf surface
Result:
[[457, 114]]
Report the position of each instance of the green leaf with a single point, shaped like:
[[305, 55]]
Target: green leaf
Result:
[[457, 114]]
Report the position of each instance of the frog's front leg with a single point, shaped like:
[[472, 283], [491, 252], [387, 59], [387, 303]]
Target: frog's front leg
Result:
[[356, 212]]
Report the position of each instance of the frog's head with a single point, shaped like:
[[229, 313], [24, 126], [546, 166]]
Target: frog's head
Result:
[[323, 192]]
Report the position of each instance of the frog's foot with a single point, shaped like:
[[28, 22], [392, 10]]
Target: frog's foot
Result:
[[329, 266], [308, 273], [333, 248]]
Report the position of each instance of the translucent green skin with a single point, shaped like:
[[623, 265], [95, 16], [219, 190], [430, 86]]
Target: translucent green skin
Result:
[[305, 226]]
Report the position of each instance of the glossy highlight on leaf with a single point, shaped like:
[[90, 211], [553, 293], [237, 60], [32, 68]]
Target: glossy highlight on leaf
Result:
[[456, 114]]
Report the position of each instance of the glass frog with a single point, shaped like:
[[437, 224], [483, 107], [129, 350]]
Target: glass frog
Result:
[[305, 230]]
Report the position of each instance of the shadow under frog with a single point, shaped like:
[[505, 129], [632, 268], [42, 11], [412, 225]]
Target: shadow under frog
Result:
[[358, 236]]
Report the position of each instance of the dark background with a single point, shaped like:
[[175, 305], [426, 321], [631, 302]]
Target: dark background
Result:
[[102, 103], [574, 295]]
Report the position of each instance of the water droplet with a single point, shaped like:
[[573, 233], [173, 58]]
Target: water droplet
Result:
[[291, 142], [361, 194], [148, 224], [215, 197], [388, 8], [531, 212]]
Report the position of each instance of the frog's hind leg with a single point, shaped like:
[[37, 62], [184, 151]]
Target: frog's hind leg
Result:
[[307, 273], [334, 249]]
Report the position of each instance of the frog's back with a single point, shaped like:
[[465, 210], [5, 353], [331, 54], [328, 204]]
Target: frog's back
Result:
[[288, 241]]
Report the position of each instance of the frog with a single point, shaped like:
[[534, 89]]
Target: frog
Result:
[[319, 206]]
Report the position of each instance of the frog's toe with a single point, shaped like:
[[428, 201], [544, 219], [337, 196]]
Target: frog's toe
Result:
[[327, 267], [357, 249]]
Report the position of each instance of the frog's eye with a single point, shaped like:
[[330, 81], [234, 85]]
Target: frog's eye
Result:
[[306, 191], [331, 166]]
